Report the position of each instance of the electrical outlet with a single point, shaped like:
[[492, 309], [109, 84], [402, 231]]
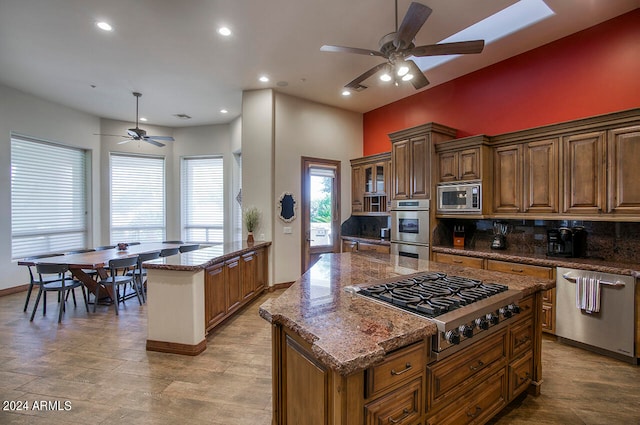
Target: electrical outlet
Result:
[[287, 230]]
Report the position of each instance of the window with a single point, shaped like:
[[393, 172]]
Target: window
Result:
[[137, 198], [48, 197], [237, 200], [203, 199]]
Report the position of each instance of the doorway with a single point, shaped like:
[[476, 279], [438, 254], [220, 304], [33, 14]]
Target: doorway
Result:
[[320, 209]]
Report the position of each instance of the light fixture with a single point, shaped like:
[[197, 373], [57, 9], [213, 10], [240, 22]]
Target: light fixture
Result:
[[407, 77], [346, 93], [264, 79], [143, 119], [224, 31], [385, 77], [104, 26], [401, 69], [223, 111]]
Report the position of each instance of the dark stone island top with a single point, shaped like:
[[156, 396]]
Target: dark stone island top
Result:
[[349, 333], [204, 257]]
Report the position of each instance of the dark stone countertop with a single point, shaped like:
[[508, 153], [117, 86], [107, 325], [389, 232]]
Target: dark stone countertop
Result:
[[204, 257], [590, 264], [348, 332]]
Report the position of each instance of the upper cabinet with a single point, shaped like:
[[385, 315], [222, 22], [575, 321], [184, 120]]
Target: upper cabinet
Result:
[[411, 159], [370, 178], [584, 173], [624, 171]]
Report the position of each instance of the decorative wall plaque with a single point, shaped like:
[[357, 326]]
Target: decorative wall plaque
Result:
[[287, 207]]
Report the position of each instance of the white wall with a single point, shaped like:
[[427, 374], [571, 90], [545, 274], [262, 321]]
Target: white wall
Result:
[[30, 116]]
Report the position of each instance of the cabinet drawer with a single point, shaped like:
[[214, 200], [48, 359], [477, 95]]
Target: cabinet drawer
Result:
[[548, 296], [399, 367], [521, 338], [520, 373], [400, 407], [445, 377], [521, 269], [547, 319], [526, 307], [459, 260], [478, 406], [384, 249]]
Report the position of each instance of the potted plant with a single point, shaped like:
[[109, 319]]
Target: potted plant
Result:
[[251, 218]]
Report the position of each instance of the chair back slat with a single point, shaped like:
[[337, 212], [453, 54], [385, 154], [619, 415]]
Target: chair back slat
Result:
[[169, 251], [148, 256], [187, 248], [52, 268]]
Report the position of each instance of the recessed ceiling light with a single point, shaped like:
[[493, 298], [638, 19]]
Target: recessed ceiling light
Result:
[[346, 93], [223, 111], [104, 26], [224, 31], [264, 79], [143, 119]]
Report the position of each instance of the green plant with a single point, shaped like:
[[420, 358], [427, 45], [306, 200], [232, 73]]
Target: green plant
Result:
[[251, 218]]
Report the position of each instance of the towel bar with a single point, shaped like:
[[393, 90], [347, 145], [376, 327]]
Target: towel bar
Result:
[[616, 284]]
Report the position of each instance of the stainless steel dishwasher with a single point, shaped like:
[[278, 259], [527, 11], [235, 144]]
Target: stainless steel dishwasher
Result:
[[609, 331]]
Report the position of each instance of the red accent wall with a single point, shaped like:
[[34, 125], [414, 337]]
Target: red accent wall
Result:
[[591, 72]]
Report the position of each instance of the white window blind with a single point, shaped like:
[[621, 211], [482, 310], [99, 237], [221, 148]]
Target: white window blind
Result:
[[48, 197], [137, 198], [203, 199]]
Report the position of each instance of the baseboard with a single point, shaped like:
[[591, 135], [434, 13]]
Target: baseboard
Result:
[[14, 290], [176, 348], [277, 286]]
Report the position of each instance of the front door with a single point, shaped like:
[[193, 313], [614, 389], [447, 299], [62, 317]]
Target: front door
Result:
[[320, 209]]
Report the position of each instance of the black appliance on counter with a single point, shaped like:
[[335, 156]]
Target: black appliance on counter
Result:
[[567, 242]]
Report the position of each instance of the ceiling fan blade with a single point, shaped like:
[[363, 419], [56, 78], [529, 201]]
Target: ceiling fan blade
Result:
[[125, 141], [419, 80], [153, 142], [167, 138], [414, 20], [111, 135], [459, 48], [355, 84], [342, 49]]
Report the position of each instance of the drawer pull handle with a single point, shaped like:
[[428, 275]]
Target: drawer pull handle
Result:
[[477, 366], [457, 261], [407, 368], [517, 270], [526, 376], [523, 340], [405, 414], [474, 414]]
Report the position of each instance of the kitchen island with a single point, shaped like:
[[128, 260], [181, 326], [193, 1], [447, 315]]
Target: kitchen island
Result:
[[341, 358], [189, 294]]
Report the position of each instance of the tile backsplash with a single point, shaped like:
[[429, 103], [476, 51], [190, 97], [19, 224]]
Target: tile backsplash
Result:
[[615, 241]]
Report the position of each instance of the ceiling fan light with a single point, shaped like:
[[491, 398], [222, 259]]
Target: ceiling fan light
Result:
[[407, 77], [385, 77], [402, 70]]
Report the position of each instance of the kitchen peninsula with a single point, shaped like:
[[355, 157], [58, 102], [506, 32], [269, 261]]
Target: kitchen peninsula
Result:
[[190, 293], [341, 358]]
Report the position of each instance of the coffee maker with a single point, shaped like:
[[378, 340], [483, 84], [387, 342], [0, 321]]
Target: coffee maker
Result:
[[567, 242]]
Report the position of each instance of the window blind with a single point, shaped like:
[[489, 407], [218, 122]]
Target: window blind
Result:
[[203, 199], [137, 198], [48, 197]]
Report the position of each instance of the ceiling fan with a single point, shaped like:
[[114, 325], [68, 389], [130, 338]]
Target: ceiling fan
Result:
[[397, 47], [139, 134]]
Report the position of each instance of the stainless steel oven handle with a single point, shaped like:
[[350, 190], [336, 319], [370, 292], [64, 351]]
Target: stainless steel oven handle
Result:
[[616, 284]]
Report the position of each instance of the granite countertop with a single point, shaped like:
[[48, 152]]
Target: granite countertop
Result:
[[348, 332], [590, 264], [204, 257], [367, 239]]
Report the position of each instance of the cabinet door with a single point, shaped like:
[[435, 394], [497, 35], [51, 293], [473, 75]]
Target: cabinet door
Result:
[[215, 295], [248, 274], [420, 168], [624, 170], [583, 169], [448, 166], [349, 246], [357, 185], [541, 190], [400, 165], [469, 164], [507, 179], [233, 279], [388, 185], [370, 247], [262, 270]]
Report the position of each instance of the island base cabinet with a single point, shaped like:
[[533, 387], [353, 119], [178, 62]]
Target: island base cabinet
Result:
[[400, 407]]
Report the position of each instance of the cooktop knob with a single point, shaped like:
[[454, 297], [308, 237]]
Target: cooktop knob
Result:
[[466, 331], [514, 308], [493, 318], [506, 313], [482, 323], [452, 336]]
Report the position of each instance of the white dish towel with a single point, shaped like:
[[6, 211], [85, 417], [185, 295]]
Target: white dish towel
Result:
[[588, 294]]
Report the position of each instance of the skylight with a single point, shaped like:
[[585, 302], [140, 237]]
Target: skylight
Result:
[[507, 21]]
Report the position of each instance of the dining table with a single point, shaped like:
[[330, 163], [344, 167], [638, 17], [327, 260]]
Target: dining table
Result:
[[81, 264]]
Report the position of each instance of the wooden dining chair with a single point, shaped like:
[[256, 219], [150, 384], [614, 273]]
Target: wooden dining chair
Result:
[[187, 248], [169, 251], [117, 278], [173, 242], [61, 283], [33, 279], [140, 273]]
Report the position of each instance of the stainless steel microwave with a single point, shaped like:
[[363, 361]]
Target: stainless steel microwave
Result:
[[463, 197]]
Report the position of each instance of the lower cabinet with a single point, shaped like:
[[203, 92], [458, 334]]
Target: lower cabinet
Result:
[[349, 245], [230, 284]]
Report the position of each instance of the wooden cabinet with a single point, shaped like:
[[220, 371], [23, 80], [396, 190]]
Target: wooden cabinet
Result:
[[411, 159], [230, 284], [370, 185], [459, 260], [584, 173], [540, 185], [349, 245], [624, 170], [459, 165], [521, 269], [507, 179]]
